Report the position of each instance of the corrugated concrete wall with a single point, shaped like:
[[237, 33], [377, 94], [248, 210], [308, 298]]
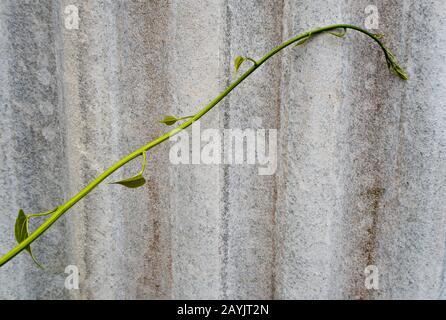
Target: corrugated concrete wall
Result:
[[361, 155]]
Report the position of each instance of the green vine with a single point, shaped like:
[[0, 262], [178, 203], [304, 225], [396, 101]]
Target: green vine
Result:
[[24, 238]]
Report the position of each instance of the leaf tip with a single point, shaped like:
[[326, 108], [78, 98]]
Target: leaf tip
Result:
[[400, 72], [395, 67]]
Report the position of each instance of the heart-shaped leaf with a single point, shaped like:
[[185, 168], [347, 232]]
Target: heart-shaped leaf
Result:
[[21, 232], [135, 181]]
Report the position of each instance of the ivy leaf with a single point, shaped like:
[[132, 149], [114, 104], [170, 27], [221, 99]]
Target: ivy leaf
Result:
[[135, 181], [21, 232], [169, 120], [238, 62]]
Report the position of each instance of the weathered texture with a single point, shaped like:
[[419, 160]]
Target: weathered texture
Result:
[[361, 166]]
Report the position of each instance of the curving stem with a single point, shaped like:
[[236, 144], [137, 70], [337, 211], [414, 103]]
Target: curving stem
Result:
[[391, 61]]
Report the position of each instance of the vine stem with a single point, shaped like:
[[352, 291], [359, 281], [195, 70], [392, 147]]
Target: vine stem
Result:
[[71, 202]]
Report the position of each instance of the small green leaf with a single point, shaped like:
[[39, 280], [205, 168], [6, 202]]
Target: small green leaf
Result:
[[238, 62], [394, 66], [400, 72], [378, 35], [135, 181], [302, 41], [338, 34], [21, 232], [21, 227], [169, 120]]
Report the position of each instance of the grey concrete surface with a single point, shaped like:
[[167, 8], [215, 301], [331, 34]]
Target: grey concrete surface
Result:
[[361, 155]]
